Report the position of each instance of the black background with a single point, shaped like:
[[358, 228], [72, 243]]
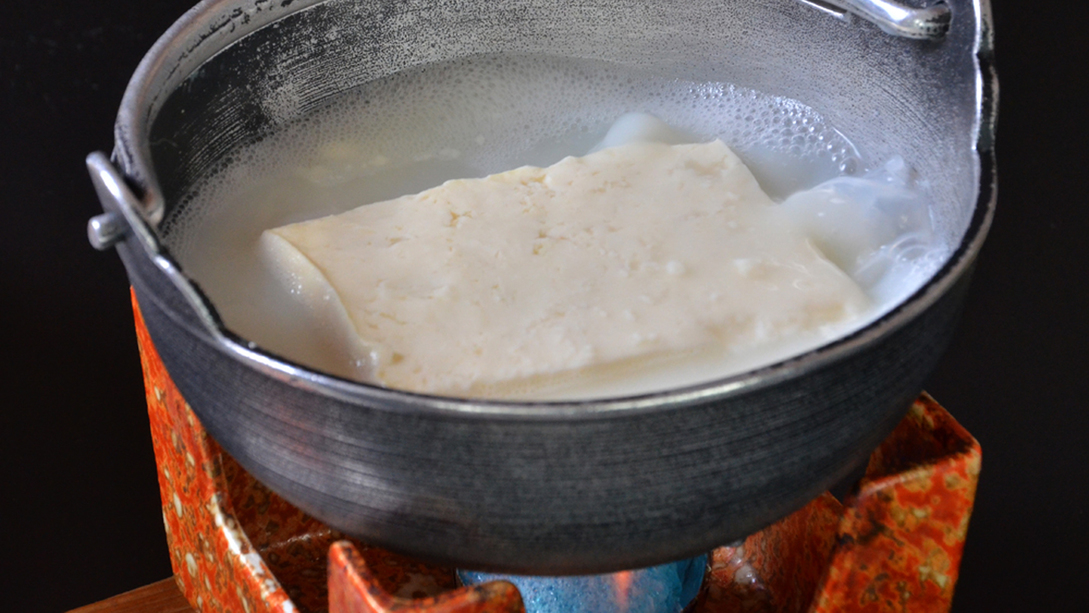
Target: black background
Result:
[[79, 511]]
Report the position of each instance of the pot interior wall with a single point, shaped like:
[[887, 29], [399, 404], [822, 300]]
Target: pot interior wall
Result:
[[888, 95]]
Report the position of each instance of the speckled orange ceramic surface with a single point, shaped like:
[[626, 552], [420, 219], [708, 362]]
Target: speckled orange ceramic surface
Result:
[[901, 536], [895, 545], [215, 564]]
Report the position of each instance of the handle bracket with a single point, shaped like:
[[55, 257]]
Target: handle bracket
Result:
[[930, 22]]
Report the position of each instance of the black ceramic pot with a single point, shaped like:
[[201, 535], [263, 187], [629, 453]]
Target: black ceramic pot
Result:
[[570, 487]]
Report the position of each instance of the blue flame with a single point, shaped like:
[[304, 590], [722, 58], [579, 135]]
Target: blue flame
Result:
[[669, 588]]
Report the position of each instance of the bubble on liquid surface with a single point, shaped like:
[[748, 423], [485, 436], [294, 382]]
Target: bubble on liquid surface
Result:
[[490, 113]]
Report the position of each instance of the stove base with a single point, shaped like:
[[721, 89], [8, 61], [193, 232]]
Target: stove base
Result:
[[893, 545]]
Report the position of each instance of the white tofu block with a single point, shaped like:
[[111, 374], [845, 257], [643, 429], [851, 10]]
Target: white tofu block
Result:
[[601, 266]]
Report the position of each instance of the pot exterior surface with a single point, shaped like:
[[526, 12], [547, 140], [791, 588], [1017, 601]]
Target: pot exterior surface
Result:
[[556, 488], [586, 494]]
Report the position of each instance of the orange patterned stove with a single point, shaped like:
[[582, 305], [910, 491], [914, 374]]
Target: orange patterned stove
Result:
[[893, 545]]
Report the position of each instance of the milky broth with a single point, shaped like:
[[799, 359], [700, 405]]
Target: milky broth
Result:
[[487, 114]]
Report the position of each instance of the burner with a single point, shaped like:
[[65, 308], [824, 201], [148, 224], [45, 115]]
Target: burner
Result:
[[894, 544], [667, 588]]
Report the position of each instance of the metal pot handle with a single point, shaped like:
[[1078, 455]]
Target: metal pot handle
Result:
[[123, 220], [892, 17], [116, 224]]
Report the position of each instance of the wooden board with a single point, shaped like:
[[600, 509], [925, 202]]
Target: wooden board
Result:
[[161, 597]]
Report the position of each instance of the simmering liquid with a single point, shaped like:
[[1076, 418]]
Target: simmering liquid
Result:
[[483, 115]]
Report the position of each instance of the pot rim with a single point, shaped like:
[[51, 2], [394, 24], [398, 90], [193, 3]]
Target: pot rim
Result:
[[216, 19]]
